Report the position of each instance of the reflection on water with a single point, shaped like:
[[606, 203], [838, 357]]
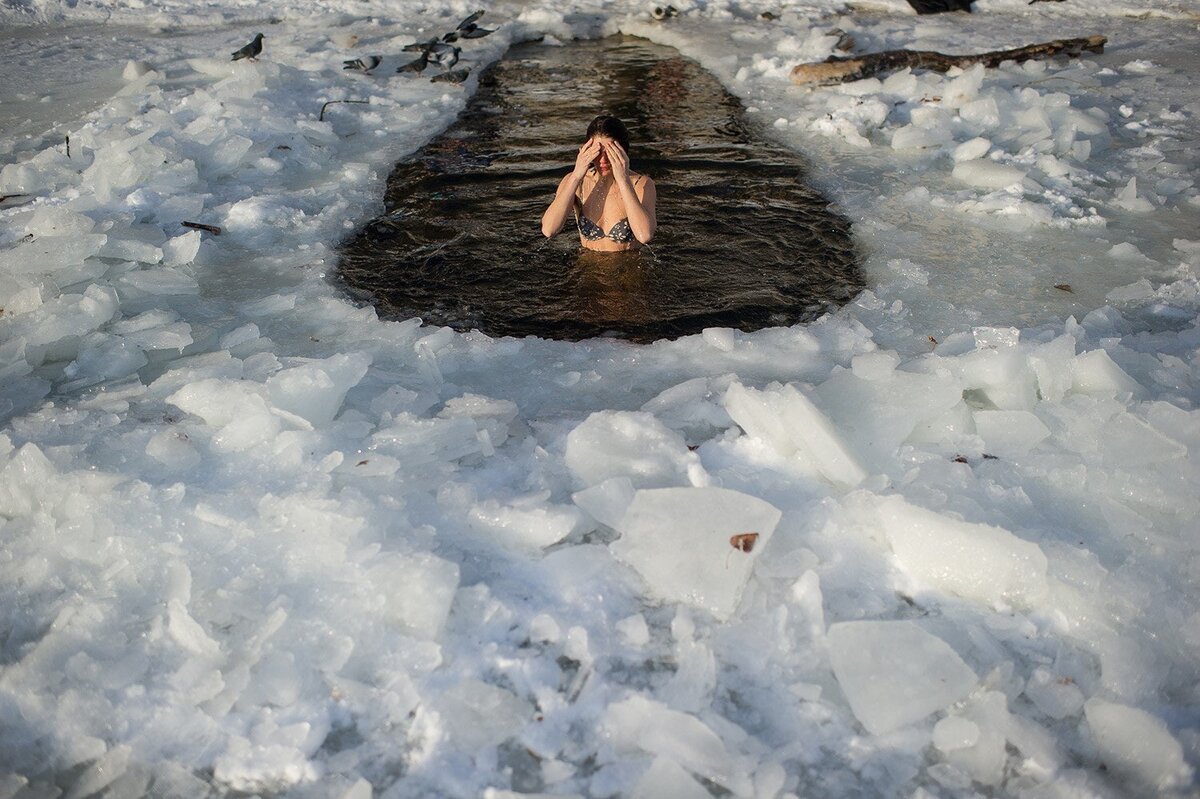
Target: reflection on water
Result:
[[742, 242]]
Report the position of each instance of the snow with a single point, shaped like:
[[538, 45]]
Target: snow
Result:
[[258, 540]]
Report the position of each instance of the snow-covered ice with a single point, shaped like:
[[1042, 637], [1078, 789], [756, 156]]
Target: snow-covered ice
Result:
[[257, 540]]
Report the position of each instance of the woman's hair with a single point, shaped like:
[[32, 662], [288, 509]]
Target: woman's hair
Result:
[[610, 126]]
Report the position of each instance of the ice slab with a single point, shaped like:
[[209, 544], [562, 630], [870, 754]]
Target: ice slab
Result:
[[665, 777], [894, 673], [530, 524], [1095, 372], [975, 561], [986, 174], [478, 714], [1009, 434], [49, 254], [315, 390], [794, 427], [640, 724], [1136, 744], [417, 589], [682, 542], [627, 444], [606, 502]]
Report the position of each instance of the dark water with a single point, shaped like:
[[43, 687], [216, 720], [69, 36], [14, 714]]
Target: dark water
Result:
[[741, 242]]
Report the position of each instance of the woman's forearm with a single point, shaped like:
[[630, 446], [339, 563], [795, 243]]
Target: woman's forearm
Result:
[[641, 224], [560, 208]]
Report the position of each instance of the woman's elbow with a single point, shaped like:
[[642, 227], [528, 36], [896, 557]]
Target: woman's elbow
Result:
[[647, 236], [548, 231]]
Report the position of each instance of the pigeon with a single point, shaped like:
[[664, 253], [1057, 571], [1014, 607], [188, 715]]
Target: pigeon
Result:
[[453, 76], [662, 13], [473, 31], [420, 47], [363, 64], [470, 21], [450, 37], [446, 57], [250, 51], [416, 65]]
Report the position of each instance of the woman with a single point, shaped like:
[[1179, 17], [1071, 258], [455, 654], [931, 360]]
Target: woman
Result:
[[613, 207]]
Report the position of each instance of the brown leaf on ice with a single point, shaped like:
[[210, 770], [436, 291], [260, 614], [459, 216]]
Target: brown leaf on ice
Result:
[[743, 542], [1064, 287], [960, 459], [363, 462], [932, 340]]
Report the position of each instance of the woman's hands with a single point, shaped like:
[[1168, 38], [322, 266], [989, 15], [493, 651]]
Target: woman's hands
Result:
[[587, 154], [618, 160]]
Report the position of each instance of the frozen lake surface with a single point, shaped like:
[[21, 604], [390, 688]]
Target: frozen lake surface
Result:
[[939, 542]]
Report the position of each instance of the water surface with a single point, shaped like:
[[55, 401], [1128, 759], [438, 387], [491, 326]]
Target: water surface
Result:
[[742, 241]]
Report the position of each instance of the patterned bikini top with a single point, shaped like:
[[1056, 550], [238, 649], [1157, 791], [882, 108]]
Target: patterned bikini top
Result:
[[619, 232]]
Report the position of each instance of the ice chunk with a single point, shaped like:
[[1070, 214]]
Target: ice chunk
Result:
[[791, 424], [236, 408], [983, 173], [135, 69], [1001, 374], [972, 149], [606, 502], [627, 444], [1009, 434], [130, 250], [1131, 443], [18, 295], [1128, 198], [315, 390], [531, 523], [1057, 697], [1051, 362], [478, 714], [56, 220], [640, 724], [894, 673], [418, 590], [877, 408], [102, 773], [975, 561], [49, 254], [955, 732], [681, 541], [160, 281], [664, 778], [182, 249], [1095, 372], [174, 450], [633, 630], [1137, 744]]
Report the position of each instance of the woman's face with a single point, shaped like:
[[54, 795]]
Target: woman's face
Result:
[[601, 161]]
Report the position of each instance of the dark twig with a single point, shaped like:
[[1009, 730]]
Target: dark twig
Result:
[[213, 229], [68, 146], [321, 116]]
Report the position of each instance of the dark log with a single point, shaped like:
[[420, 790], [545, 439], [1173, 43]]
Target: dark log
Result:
[[213, 229], [843, 69], [940, 6]]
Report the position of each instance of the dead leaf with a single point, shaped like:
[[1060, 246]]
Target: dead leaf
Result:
[[743, 542], [932, 340], [1064, 287], [960, 459]]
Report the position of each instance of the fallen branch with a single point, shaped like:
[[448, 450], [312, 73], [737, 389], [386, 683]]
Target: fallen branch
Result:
[[321, 116], [213, 229], [843, 69]]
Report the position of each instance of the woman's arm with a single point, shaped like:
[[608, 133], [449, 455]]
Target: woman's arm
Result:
[[556, 215], [639, 201], [564, 198]]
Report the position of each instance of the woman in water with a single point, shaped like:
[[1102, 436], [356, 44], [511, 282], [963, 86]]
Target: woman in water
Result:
[[613, 206]]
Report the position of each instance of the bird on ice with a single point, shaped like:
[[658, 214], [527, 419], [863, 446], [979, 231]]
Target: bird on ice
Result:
[[445, 57], [473, 31], [365, 64], [416, 65], [250, 51]]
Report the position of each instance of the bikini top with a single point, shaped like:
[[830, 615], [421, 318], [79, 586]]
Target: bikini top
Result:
[[619, 232]]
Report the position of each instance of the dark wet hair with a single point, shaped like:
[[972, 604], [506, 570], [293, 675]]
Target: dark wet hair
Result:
[[609, 126]]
